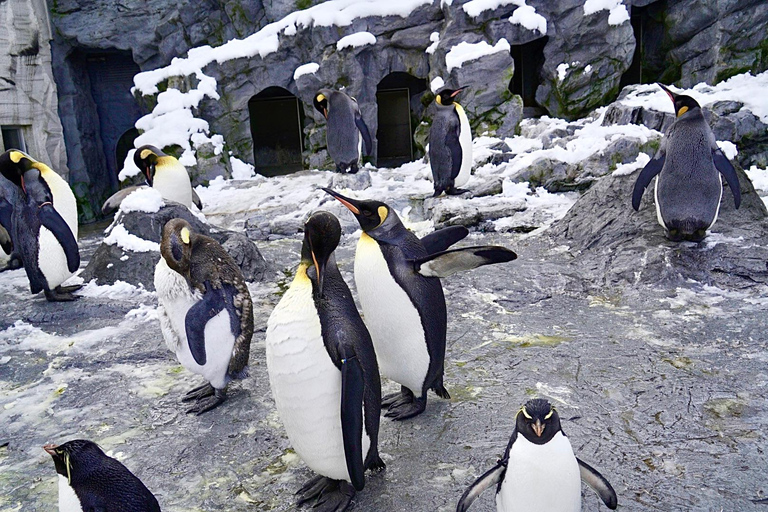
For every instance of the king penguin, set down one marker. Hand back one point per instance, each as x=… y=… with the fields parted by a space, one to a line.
x=539 y=470
x=450 y=144
x=687 y=167
x=90 y=480
x=205 y=311
x=42 y=238
x=346 y=131
x=323 y=373
x=400 y=292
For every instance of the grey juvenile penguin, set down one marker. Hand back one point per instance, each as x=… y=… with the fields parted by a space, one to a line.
x=450 y=144
x=688 y=187
x=205 y=311
x=346 y=131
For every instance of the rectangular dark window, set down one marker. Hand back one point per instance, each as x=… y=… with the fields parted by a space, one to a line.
x=13 y=138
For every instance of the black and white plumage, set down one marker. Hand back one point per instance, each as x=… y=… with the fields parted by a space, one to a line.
x=539 y=470
x=400 y=292
x=688 y=168
x=205 y=311
x=450 y=144
x=91 y=481
x=345 y=129
x=323 y=373
x=42 y=234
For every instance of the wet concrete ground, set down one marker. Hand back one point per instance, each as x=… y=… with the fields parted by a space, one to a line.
x=661 y=389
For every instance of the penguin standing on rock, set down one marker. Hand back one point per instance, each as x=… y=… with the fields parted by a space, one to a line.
x=42 y=237
x=398 y=283
x=687 y=168
x=323 y=373
x=205 y=311
x=539 y=470
x=450 y=144
x=89 y=480
x=346 y=131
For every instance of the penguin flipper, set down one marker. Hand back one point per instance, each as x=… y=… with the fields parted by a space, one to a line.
x=360 y=123
x=725 y=167
x=650 y=170
x=196 y=200
x=446 y=263
x=214 y=301
x=51 y=219
x=352 y=387
x=113 y=203
x=598 y=483
x=491 y=477
x=453 y=144
x=442 y=239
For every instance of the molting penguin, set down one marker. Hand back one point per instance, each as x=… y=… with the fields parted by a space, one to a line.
x=539 y=470
x=450 y=144
x=89 y=480
x=323 y=373
x=398 y=283
x=42 y=239
x=688 y=187
x=345 y=130
x=205 y=311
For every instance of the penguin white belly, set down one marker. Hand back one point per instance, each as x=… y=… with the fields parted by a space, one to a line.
x=359 y=146
x=391 y=318
x=656 y=200
x=719 y=200
x=51 y=259
x=465 y=141
x=541 y=477
x=63 y=199
x=172 y=181
x=305 y=383
x=68 y=500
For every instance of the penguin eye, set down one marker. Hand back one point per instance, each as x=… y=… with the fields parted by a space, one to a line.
x=367 y=213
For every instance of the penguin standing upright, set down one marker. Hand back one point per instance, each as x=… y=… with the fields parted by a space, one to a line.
x=323 y=373
x=688 y=187
x=205 y=311
x=450 y=144
x=539 y=470
x=403 y=304
x=90 y=480
x=345 y=130
x=42 y=239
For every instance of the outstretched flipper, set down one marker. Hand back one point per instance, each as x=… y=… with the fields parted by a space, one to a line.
x=442 y=239
x=598 y=483
x=352 y=387
x=650 y=170
x=491 y=477
x=364 y=132
x=446 y=263
x=51 y=219
x=723 y=165
x=214 y=301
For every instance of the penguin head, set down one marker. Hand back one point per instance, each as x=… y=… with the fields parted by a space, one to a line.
x=321 y=102
x=14 y=164
x=322 y=233
x=75 y=459
x=448 y=96
x=176 y=245
x=146 y=158
x=538 y=421
x=370 y=214
x=682 y=102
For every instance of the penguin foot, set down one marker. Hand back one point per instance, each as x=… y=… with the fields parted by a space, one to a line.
x=59 y=296
x=207 y=403
x=328 y=495
x=199 y=392
x=456 y=191
x=407 y=409
x=374 y=462
x=68 y=289
x=403 y=396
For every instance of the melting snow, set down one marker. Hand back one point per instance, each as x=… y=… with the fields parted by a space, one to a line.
x=306 y=69
x=618 y=13
x=464 y=52
x=355 y=40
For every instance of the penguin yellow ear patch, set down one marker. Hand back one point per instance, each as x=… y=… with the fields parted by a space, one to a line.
x=185 y=235
x=145 y=153
x=16 y=156
x=320 y=97
x=438 y=100
x=383 y=212
x=682 y=111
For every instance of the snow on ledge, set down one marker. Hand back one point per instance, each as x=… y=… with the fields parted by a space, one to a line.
x=306 y=69
x=143 y=199
x=464 y=52
x=436 y=84
x=527 y=16
x=356 y=40
x=435 y=38
x=618 y=11
x=129 y=242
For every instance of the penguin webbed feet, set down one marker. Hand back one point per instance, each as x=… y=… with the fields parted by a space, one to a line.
x=206 y=397
x=403 y=405
x=328 y=495
x=62 y=294
x=456 y=191
x=373 y=462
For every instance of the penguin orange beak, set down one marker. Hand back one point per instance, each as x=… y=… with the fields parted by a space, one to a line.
x=148 y=175
x=346 y=201
x=50 y=449
x=538 y=428
x=23 y=187
x=457 y=91
x=671 y=94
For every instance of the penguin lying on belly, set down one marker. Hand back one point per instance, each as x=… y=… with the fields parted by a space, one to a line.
x=205 y=311
x=345 y=129
x=323 y=373
x=89 y=480
x=397 y=277
x=539 y=470
x=688 y=169
x=42 y=238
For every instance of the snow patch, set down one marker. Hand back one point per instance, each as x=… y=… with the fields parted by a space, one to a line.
x=464 y=52
x=729 y=149
x=129 y=242
x=435 y=38
x=120 y=290
x=562 y=70
x=527 y=16
x=626 y=169
x=241 y=170
x=306 y=69
x=129 y=167
x=436 y=84
x=618 y=13
x=356 y=40
x=143 y=199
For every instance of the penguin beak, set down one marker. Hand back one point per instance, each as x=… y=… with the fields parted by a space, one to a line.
x=148 y=174
x=671 y=94
x=320 y=267
x=23 y=187
x=457 y=91
x=349 y=203
x=50 y=449
x=538 y=428
x=325 y=112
